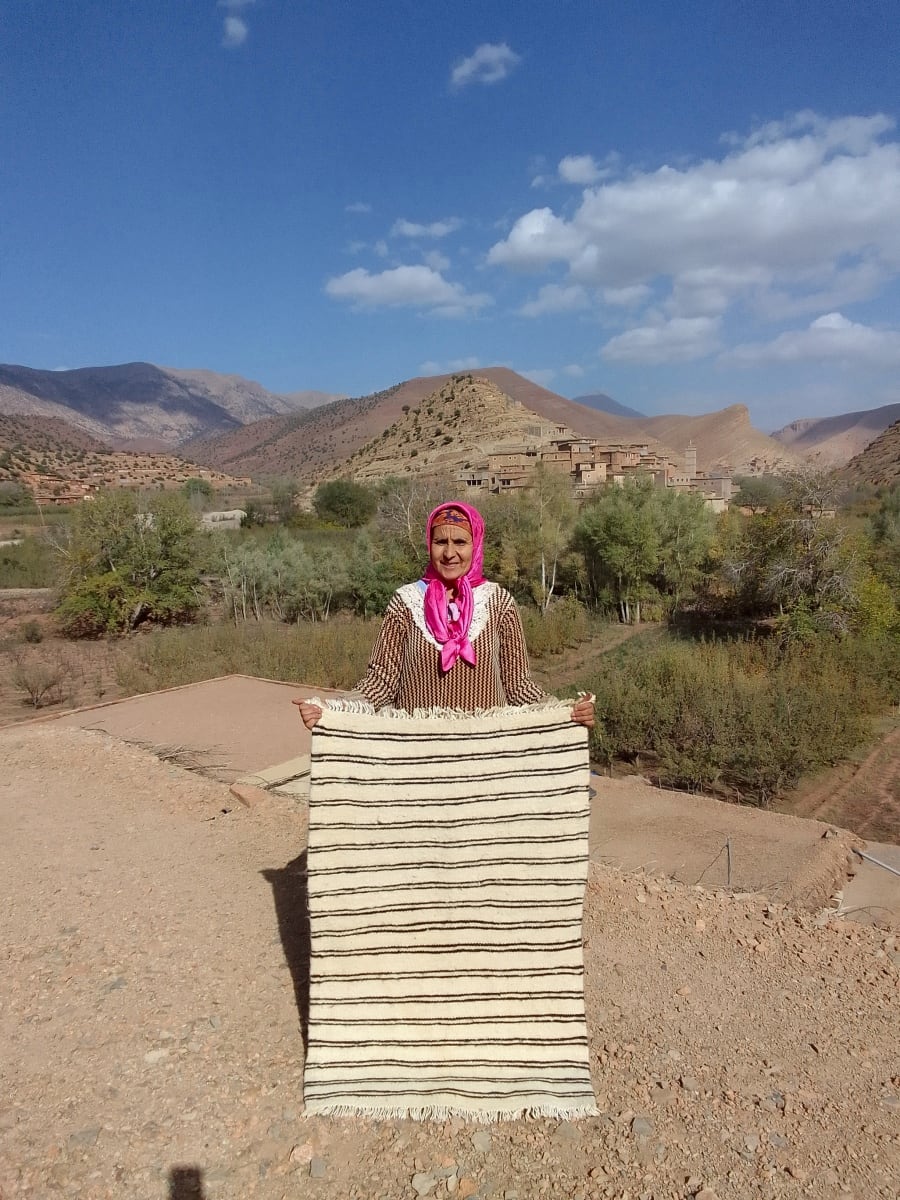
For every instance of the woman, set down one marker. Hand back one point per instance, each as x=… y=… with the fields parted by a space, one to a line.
x=453 y=639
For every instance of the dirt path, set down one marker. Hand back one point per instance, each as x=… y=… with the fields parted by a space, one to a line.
x=150 y=1042
x=863 y=798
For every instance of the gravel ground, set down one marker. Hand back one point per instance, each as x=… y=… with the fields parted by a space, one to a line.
x=150 y=1037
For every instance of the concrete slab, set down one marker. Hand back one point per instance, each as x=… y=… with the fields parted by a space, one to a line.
x=872 y=896
x=232 y=726
x=700 y=840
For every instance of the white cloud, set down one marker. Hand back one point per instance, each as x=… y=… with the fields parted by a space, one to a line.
x=573 y=371
x=579 y=168
x=358 y=207
x=381 y=248
x=437 y=229
x=234 y=28
x=554 y=298
x=405 y=287
x=627 y=297
x=455 y=364
x=800 y=209
x=436 y=260
x=489 y=63
x=234 y=31
x=830 y=338
x=680 y=339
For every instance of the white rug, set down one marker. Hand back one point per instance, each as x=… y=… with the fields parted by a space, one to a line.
x=447 y=863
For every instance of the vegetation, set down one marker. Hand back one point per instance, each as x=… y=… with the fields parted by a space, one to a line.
x=126 y=563
x=746 y=718
x=776 y=634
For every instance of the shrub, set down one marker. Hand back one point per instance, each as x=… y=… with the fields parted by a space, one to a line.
x=746 y=718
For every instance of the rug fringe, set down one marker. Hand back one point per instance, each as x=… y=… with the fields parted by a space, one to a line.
x=364 y=708
x=437 y=1112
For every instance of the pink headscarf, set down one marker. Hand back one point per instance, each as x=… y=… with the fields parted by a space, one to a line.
x=453 y=634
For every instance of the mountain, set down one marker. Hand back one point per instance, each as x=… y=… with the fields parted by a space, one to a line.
x=604 y=403
x=833 y=441
x=317 y=443
x=879 y=463
x=139 y=405
x=61 y=464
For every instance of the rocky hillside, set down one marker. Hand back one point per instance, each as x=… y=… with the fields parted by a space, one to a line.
x=833 y=441
x=322 y=442
x=456 y=426
x=54 y=459
x=879 y=463
x=141 y=405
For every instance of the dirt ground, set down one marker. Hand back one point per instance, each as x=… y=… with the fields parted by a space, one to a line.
x=152 y=935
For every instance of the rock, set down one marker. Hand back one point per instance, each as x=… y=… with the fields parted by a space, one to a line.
x=452 y=1184
x=423 y=1183
x=85 y=1137
x=567 y=1131
x=155 y=1056
x=302 y=1153
x=318 y=1168
x=689 y=1083
x=249 y=796
x=467 y=1187
x=642 y=1127
x=751 y=1142
x=705 y=1194
x=777 y=1141
x=482 y=1141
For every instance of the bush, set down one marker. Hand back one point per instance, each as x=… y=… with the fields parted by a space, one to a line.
x=745 y=718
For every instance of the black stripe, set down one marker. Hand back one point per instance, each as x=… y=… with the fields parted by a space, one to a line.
x=439 y=973
x=401 y=927
x=449 y=998
x=443 y=866
x=364 y=1043
x=478 y=819
x=454 y=948
x=540 y=794
x=529 y=883
x=443 y=782
x=471 y=756
x=456 y=906
x=444 y=730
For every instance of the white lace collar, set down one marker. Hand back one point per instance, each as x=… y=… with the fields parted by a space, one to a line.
x=413 y=596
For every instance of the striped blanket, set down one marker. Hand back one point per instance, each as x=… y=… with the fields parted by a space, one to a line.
x=447 y=865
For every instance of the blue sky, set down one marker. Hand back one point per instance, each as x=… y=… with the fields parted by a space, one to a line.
x=685 y=205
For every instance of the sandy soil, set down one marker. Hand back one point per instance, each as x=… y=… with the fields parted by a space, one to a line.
x=152 y=935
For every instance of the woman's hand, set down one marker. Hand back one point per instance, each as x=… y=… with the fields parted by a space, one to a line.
x=583 y=711
x=310 y=714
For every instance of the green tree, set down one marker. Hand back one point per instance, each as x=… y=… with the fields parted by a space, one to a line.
x=641 y=542
x=344 y=502
x=127 y=563
x=758 y=492
x=198 y=488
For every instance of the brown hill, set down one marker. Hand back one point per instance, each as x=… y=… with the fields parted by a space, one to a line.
x=879 y=463
x=321 y=442
x=455 y=426
x=725 y=440
x=833 y=441
x=59 y=462
x=46 y=434
x=139 y=402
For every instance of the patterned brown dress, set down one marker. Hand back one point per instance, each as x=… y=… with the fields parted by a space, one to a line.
x=404 y=670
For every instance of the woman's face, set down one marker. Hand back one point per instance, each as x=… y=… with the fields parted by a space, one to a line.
x=451 y=552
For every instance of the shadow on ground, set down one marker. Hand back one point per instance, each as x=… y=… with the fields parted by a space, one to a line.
x=290 y=892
